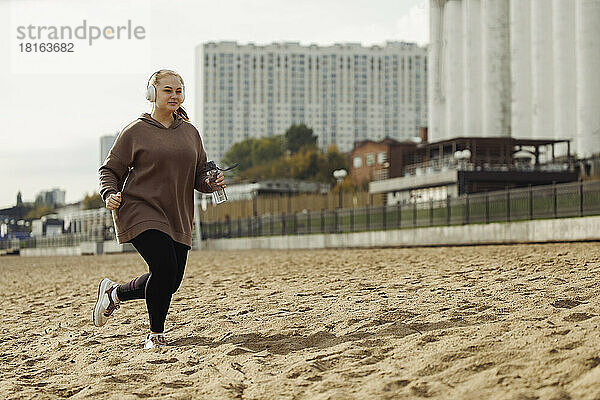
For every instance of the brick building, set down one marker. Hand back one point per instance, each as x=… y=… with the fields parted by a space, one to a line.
x=374 y=161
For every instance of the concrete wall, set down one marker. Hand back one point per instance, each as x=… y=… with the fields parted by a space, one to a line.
x=566 y=229
x=91 y=248
x=111 y=246
x=51 y=251
x=84 y=248
x=551 y=230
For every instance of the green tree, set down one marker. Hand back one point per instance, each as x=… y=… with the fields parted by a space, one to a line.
x=298 y=136
x=92 y=201
x=253 y=152
x=240 y=152
x=267 y=149
x=266 y=158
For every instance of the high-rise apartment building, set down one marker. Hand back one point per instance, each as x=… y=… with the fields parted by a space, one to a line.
x=106 y=143
x=53 y=198
x=344 y=92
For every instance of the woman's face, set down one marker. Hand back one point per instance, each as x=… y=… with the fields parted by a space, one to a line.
x=169 y=93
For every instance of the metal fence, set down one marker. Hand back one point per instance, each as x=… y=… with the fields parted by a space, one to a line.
x=9 y=244
x=64 y=240
x=289 y=203
x=554 y=201
x=539 y=202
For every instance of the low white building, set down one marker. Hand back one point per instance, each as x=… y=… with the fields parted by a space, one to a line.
x=48 y=225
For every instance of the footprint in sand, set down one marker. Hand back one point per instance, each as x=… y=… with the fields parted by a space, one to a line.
x=395 y=385
x=359 y=374
x=592 y=362
x=189 y=371
x=65 y=392
x=114 y=379
x=315 y=378
x=566 y=303
x=420 y=390
x=237 y=388
x=429 y=339
x=142 y=395
x=163 y=361
x=432 y=369
x=577 y=317
x=238 y=350
x=179 y=384
x=478 y=367
x=262 y=354
x=570 y=345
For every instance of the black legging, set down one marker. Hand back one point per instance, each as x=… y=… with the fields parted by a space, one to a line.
x=166 y=260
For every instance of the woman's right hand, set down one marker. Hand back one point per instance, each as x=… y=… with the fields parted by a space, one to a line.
x=114 y=201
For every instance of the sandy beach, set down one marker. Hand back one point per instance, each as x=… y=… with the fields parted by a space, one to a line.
x=501 y=322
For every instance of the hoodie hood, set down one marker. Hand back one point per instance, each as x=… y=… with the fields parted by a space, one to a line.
x=147 y=118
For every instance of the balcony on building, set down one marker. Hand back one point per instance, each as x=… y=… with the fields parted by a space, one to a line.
x=464 y=165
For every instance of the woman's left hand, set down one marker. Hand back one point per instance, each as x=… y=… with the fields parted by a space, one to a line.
x=220 y=181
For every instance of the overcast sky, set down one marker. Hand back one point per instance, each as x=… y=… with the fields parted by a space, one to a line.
x=56 y=106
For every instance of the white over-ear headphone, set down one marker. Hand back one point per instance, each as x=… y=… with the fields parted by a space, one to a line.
x=151 y=90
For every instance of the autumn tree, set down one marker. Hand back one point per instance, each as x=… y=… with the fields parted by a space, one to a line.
x=92 y=201
x=299 y=136
x=38 y=212
x=293 y=155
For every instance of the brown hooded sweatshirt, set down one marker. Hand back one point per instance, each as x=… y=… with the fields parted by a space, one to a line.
x=167 y=165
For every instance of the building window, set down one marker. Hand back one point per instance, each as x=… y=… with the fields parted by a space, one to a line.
x=381 y=157
x=357 y=162
x=370 y=159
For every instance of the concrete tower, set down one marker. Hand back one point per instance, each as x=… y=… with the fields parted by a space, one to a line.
x=471 y=78
x=521 y=68
x=587 y=20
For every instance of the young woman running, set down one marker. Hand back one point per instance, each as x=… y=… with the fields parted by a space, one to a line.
x=148 y=181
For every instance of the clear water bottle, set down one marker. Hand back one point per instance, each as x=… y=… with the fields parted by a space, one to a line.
x=219 y=195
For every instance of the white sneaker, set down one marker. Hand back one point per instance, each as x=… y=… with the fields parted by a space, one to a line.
x=155 y=340
x=105 y=305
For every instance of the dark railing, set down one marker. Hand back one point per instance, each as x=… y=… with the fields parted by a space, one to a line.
x=575 y=199
x=450 y=163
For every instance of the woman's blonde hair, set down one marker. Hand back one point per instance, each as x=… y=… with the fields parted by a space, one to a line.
x=154 y=79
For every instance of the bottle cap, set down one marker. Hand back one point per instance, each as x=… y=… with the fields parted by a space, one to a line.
x=210 y=165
